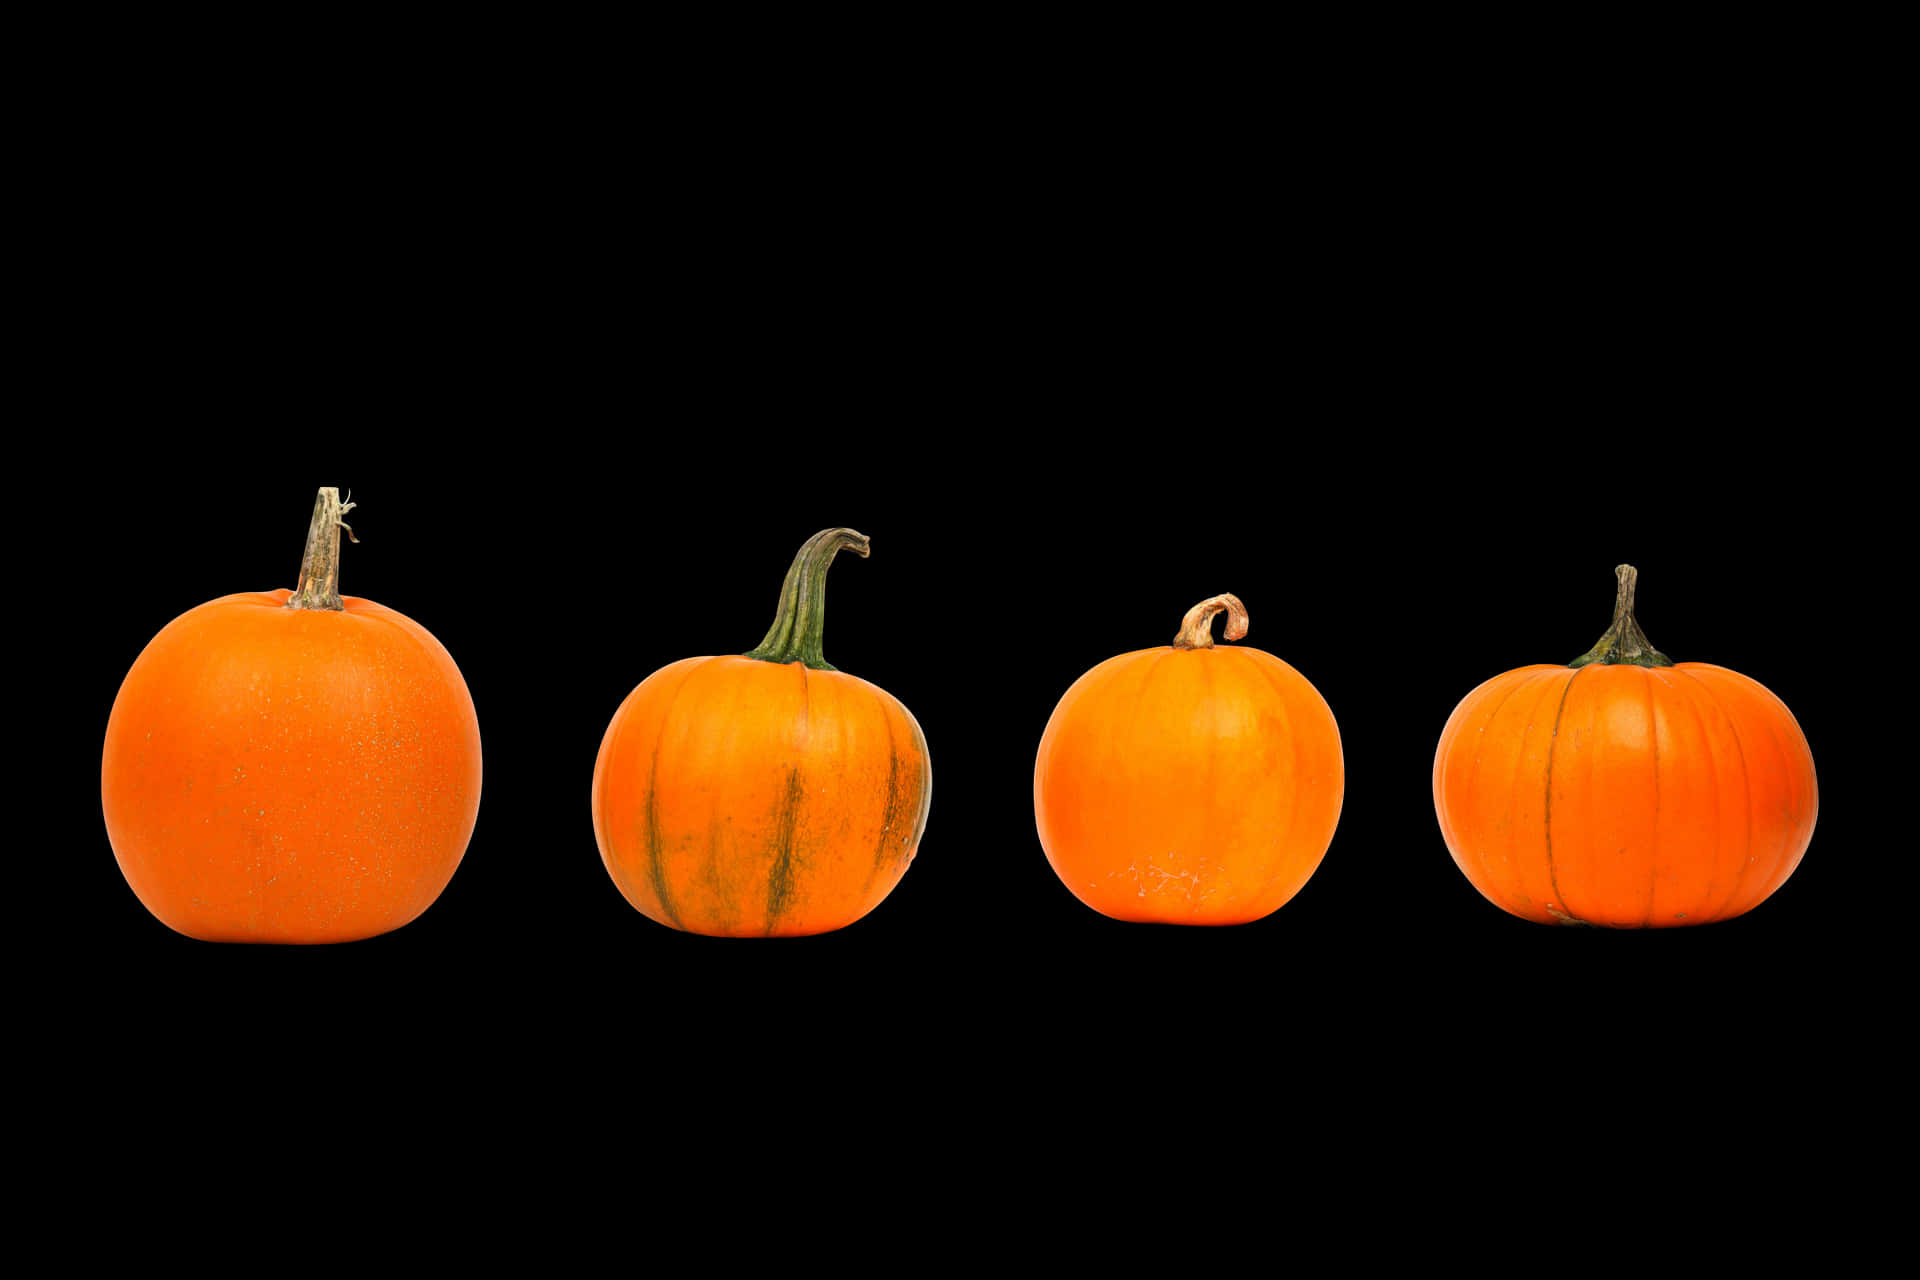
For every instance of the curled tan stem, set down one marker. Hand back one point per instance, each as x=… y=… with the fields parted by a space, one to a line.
x=1196 y=629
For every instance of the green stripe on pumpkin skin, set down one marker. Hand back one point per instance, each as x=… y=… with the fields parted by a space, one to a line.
x=1558 y=913
x=656 y=869
x=725 y=909
x=890 y=812
x=726 y=894
x=780 y=879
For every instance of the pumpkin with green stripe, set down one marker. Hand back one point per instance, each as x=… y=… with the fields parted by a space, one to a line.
x=766 y=794
x=1624 y=789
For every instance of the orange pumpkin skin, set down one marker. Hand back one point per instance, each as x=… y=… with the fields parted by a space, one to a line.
x=290 y=775
x=1189 y=785
x=736 y=797
x=1626 y=796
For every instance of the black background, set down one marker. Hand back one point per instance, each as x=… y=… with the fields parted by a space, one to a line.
x=1411 y=408
x=1397 y=565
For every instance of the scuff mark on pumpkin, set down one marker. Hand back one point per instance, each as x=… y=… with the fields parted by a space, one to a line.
x=1181 y=880
x=1562 y=917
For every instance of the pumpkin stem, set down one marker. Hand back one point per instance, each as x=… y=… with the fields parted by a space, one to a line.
x=319 y=584
x=1196 y=629
x=1625 y=643
x=802 y=613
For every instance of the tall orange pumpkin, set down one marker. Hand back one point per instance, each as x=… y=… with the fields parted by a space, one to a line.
x=291 y=766
x=768 y=794
x=1624 y=789
x=1189 y=784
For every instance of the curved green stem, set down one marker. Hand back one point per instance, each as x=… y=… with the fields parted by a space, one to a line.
x=802 y=613
x=319 y=584
x=1625 y=643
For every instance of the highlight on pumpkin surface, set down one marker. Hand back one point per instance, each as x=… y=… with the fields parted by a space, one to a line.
x=1624 y=789
x=291 y=766
x=763 y=794
x=1192 y=783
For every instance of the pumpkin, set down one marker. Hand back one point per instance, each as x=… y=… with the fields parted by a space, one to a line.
x=767 y=794
x=291 y=766
x=1189 y=784
x=1624 y=789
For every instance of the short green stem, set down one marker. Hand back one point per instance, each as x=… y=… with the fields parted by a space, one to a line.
x=1625 y=644
x=802 y=613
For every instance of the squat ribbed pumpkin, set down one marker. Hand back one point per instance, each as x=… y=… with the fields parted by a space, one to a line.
x=768 y=794
x=1624 y=789
x=1189 y=784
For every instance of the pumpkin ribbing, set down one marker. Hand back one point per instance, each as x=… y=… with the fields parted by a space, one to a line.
x=765 y=794
x=1624 y=790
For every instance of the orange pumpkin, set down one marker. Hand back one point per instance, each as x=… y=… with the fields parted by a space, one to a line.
x=768 y=794
x=1624 y=789
x=1189 y=784
x=291 y=766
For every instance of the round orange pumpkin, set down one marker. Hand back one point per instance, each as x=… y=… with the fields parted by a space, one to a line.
x=291 y=766
x=763 y=795
x=1624 y=789
x=1189 y=784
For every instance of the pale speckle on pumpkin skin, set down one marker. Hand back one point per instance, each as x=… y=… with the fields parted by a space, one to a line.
x=1189 y=880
